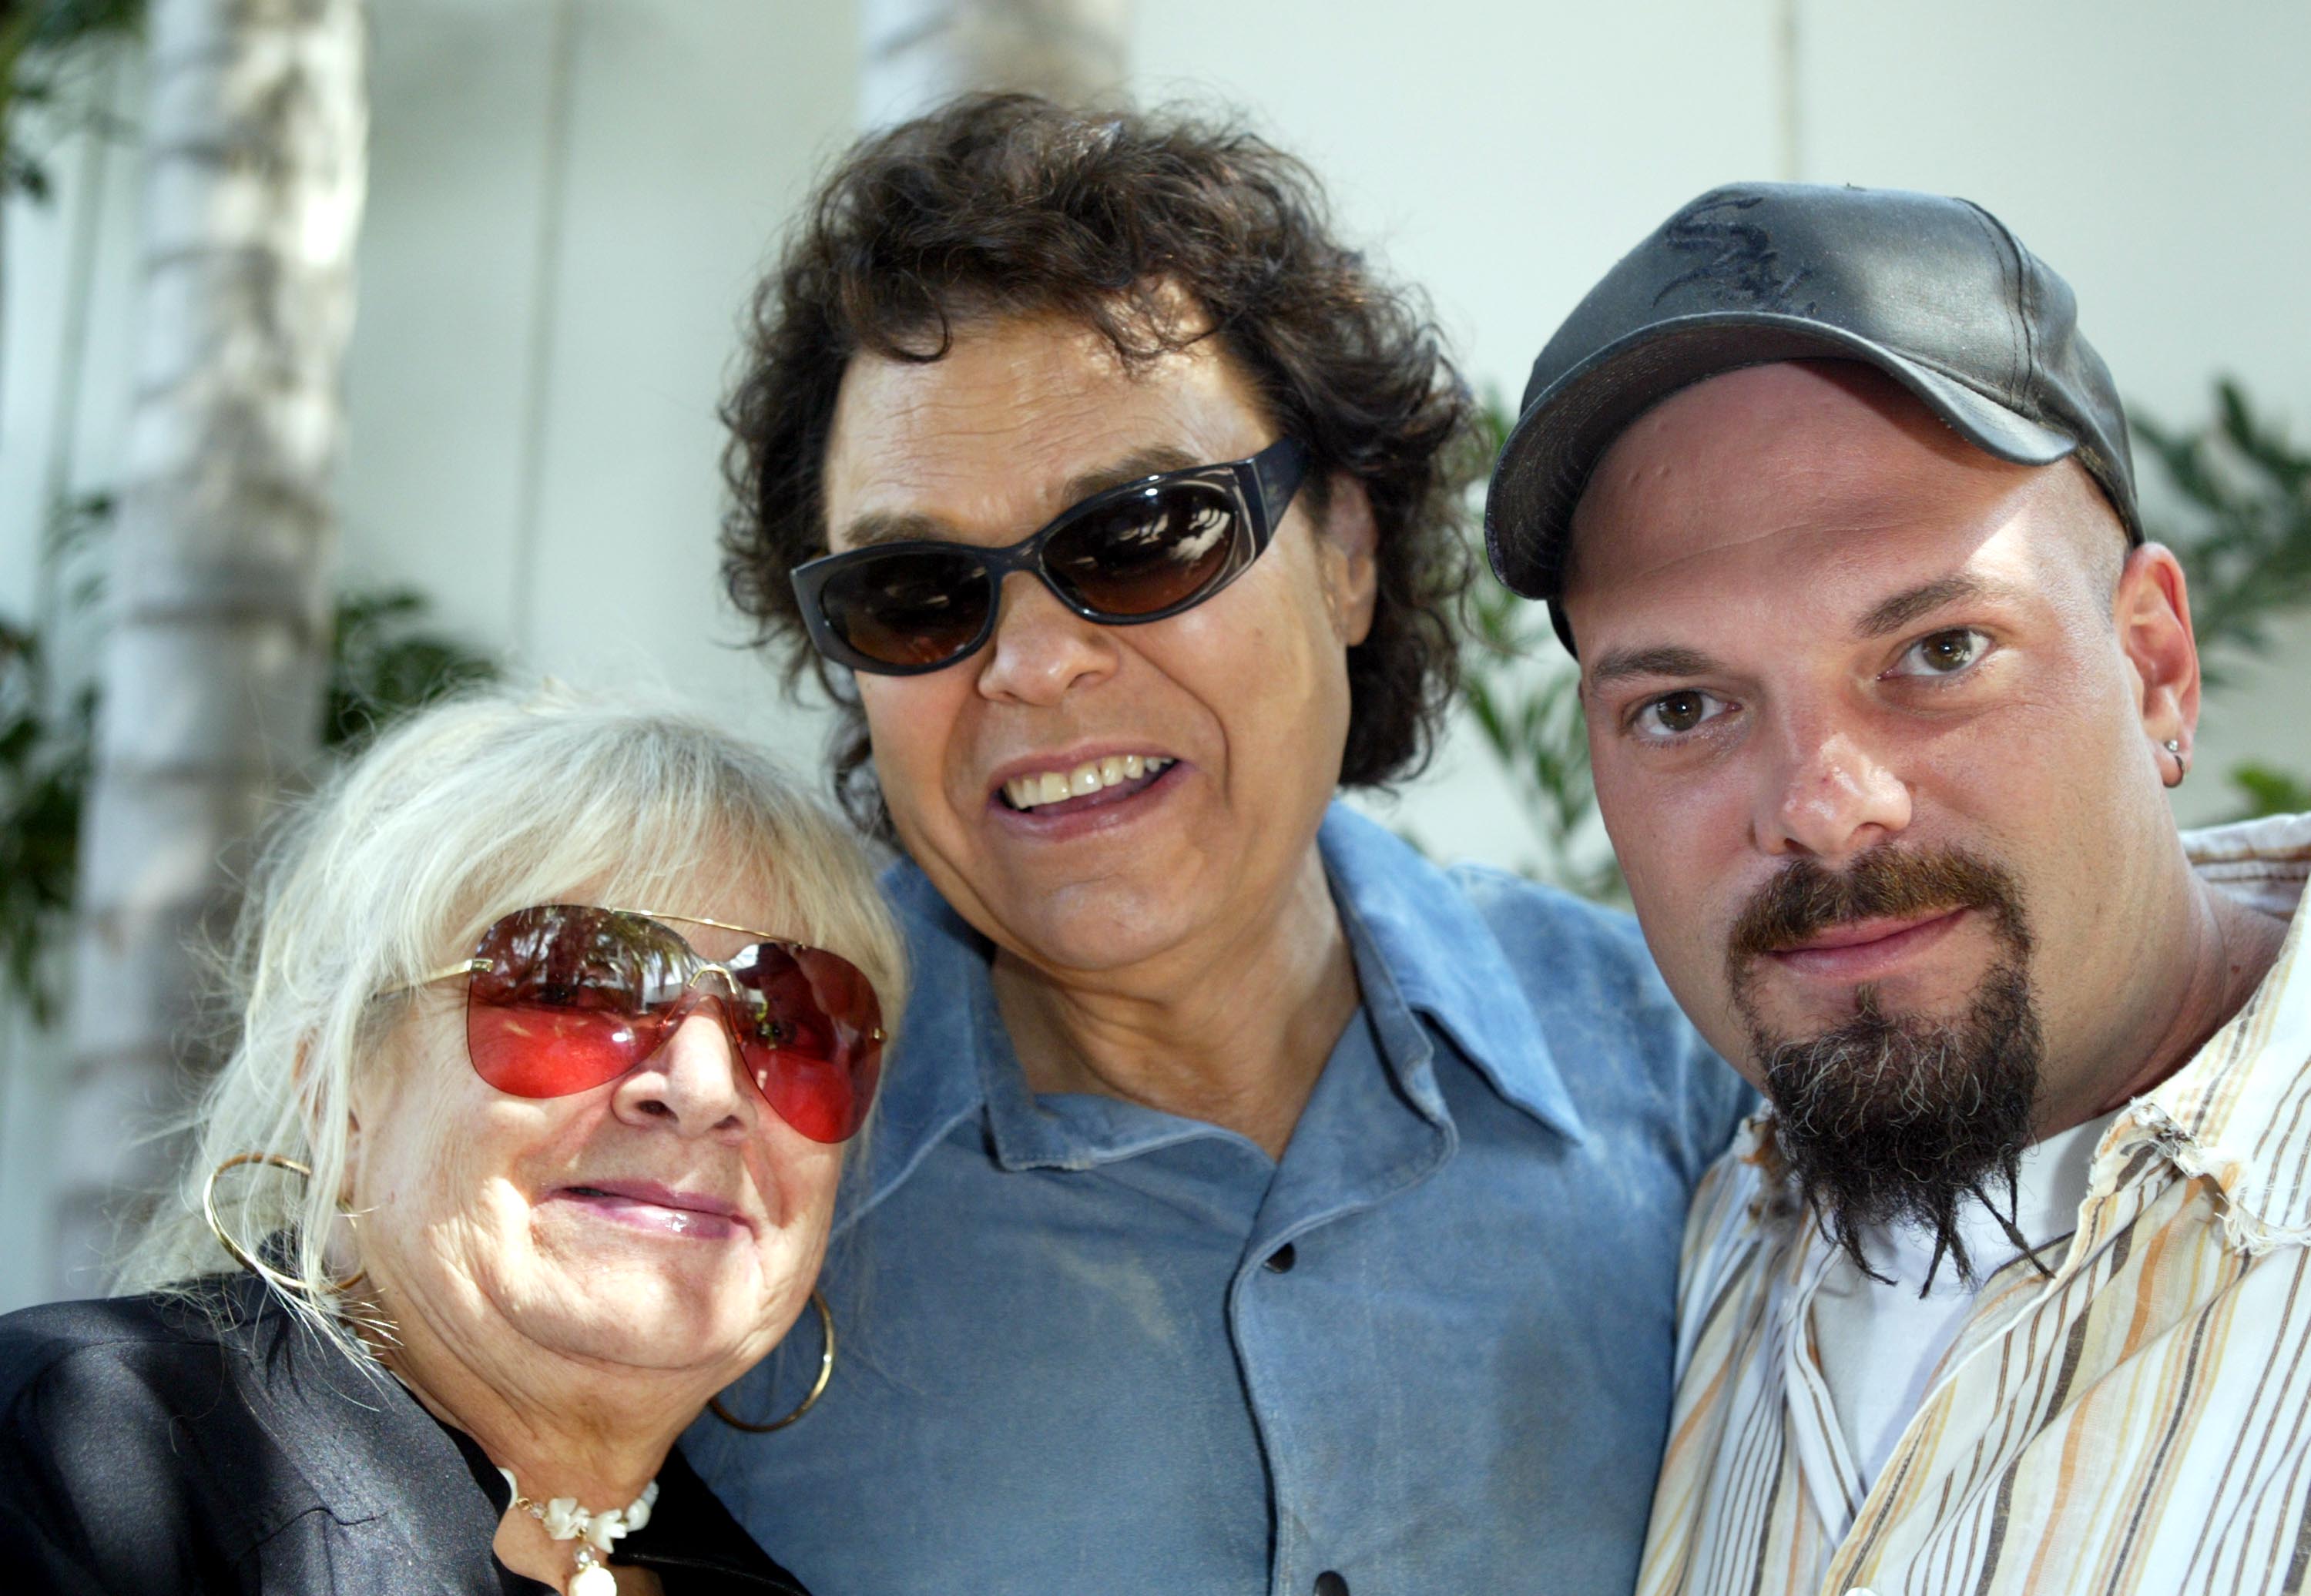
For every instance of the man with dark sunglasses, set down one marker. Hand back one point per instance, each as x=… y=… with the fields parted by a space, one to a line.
x=1252 y=1206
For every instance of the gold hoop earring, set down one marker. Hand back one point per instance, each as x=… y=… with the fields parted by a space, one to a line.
x=242 y=1255
x=826 y=1372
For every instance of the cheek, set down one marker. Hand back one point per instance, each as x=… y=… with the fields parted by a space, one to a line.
x=1679 y=838
x=1267 y=658
x=800 y=1184
x=446 y=1160
x=910 y=723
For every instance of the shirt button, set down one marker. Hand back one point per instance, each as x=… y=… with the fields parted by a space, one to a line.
x=1280 y=1262
x=1328 y=1584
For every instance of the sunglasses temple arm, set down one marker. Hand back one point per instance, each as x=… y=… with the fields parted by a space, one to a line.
x=1278 y=470
x=466 y=967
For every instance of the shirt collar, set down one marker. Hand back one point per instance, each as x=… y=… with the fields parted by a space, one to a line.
x=1421 y=949
x=1443 y=962
x=2239 y=1112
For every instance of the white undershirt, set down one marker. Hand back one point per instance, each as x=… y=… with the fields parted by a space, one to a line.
x=1880 y=1344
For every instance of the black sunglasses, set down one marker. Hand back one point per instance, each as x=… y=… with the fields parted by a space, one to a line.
x=1133 y=553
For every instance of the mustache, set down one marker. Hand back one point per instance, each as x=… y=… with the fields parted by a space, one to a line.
x=1805 y=898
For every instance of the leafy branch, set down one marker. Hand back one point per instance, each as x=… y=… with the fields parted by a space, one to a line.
x=2246 y=549
x=384 y=662
x=1523 y=696
x=45 y=47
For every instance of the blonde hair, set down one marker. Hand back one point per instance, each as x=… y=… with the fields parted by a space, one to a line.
x=462 y=814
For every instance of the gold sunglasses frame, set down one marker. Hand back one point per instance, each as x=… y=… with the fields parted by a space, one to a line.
x=476 y=966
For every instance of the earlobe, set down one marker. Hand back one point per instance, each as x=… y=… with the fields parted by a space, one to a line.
x=1350 y=551
x=2152 y=614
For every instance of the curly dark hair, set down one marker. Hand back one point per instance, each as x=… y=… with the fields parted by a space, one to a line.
x=1007 y=205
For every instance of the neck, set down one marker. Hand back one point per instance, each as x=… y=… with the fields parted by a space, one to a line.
x=564 y=1426
x=2222 y=953
x=1233 y=1031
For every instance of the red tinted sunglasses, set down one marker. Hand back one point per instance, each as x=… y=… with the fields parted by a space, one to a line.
x=562 y=997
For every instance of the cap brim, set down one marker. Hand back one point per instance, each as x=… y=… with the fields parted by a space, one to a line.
x=1557 y=442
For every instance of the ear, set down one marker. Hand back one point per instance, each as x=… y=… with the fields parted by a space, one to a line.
x=2152 y=613
x=1349 y=558
x=308 y=1100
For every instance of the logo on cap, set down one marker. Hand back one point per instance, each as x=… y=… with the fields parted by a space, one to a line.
x=1741 y=265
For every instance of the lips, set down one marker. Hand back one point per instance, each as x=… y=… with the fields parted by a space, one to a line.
x=1855 y=950
x=645 y=1205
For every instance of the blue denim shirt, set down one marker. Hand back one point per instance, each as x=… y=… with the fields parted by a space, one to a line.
x=1085 y=1346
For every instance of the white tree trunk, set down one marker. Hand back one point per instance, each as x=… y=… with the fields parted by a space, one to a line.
x=257 y=133
x=919 y=52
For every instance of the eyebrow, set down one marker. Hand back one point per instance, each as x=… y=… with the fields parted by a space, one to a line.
x=1891 y=615
x=906 y=526
x=1622 y=664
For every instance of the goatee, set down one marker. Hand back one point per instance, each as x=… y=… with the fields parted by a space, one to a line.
x=1891 y=1119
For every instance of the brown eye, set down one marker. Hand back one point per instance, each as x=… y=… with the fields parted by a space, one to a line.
x=1678 y=711
x=1673 y=714
x=1942 y=654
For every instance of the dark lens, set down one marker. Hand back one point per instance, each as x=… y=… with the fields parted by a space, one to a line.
x=811 y=1032
x=1155 y=549
x=911 y=607
x=565 y=1002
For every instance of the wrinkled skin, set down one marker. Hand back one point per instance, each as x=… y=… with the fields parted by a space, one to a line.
x=1179 y=948
x=573 y=1342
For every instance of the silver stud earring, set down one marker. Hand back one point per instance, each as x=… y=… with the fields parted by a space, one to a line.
x=2175 y=745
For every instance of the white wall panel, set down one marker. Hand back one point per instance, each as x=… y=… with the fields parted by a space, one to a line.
x=2155 y=155
x=697 y=128
x=1501 y=156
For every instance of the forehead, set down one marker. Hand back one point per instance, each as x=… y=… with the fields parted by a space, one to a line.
x=1005 y=427
x=1778 y=490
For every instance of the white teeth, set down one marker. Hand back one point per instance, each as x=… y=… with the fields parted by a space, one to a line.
x=1052 y=787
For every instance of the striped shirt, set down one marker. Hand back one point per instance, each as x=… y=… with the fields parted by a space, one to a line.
x=2140 y=1422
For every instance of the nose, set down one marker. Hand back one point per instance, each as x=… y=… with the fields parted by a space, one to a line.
x=1040 y=649
x=1829 y=796
x=690 y=1084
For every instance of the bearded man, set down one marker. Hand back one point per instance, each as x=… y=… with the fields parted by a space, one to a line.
x=2006 y=1290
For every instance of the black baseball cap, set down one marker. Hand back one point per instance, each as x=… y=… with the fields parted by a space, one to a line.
x=1935 y=293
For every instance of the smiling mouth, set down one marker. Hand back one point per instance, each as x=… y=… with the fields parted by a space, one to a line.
x=661 y=1212
x=1118 y=775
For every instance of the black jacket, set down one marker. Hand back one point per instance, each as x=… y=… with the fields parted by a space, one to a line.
x=149 y=1447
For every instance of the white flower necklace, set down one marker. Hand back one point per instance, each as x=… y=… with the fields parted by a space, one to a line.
x=564 y=1519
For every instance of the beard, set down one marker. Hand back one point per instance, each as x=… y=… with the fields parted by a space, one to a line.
x=1889 y=1119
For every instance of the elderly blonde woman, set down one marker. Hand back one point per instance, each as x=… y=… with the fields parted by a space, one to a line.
x=556 y=1019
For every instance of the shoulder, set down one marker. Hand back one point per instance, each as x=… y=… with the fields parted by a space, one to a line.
x=123 y=1374
x=108 y=1340
x=1582 y=967
x=117 y=1419
x=1537 y=987
x=1530 y=916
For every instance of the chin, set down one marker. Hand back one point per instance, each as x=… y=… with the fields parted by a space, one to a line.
x=652 y=1325
x=1905 y=999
